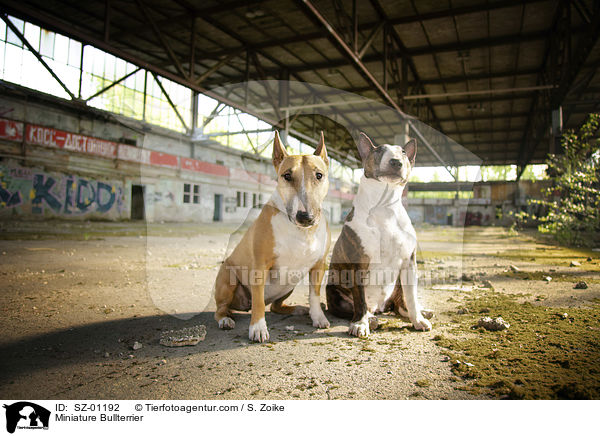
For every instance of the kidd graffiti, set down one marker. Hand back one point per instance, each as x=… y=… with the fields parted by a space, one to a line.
x=26 y=191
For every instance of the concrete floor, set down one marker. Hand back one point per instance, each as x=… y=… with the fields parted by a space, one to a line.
x=76 y=296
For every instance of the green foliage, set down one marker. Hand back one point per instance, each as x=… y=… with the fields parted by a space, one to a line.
x=573 y=202
x=498 y=172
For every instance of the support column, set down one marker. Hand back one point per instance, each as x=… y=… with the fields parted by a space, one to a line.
x=195 y=129
x=556 y=132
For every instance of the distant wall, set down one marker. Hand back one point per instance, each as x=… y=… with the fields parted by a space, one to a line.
x=79 y=163
x=493 y=203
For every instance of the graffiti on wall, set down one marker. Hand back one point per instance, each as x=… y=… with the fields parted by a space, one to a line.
x=29 y=191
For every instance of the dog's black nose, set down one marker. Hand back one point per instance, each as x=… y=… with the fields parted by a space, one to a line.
x=396 y=163
x=304 y=218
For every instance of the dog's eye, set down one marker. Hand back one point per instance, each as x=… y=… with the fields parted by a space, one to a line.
x=287 y=177
x=319 y=176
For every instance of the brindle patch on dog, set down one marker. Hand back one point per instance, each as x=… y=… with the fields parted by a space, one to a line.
x=345 y=295
x=350 y=215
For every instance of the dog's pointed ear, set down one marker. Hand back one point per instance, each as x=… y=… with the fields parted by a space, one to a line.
x=321 y=151
x=411 y=150
x=279 y=153
x=365 y=146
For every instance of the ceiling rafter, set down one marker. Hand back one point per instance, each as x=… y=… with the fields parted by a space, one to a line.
x=396 y=21
x=572 y=64
x=177 y=42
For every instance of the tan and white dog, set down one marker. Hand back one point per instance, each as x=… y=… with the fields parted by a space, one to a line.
x=289 y=238
x=373 y=266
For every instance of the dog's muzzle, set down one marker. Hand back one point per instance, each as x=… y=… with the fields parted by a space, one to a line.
x=305 y=219
x=396 y=163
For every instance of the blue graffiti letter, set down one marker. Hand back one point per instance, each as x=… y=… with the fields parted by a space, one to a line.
x=42 y=192
x=9 y=200
x=84 y=204
x=68 y=200
x=106 y=205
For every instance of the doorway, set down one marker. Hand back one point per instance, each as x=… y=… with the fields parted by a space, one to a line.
x=137 y=202
x=218 y=215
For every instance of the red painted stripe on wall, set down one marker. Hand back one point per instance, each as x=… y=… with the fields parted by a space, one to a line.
x=164 y=159
x=50 y=137
x=11 y=130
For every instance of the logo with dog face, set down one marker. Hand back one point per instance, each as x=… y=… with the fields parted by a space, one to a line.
x=26 y=415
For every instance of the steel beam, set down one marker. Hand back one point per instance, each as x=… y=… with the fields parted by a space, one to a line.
x=444 y=13
x=160 y=37
x=415 y=51
x=116 y=82
x=437 y=81
x=474 y=132
x=573 y=65
x=192 y=65
x=214 y=68
x=41 y=60
x=369 y=40
x=478 y=92
x=166 y=94
x=240 y=132
x=182 y=18
x=311 y=8
x=73 y=32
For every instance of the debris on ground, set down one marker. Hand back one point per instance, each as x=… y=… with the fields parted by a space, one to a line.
x=427 y=313
x=188 y=336
x=136 y=346
x=580 y=285
x=575 y=263
x=548 y=279
x=564 y=315
x=423 y=383
x=514 y=268
x=493 y=324
x=487 y=284
x=289 y=328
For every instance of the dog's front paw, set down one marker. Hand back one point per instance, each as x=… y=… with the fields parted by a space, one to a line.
x=421 y=324
x=258 y=331
x=359 y=329
x=226 y=323
x=320 y=321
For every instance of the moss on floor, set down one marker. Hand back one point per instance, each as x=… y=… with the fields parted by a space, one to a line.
x=545 y=354
x=430 y=255
x=556 y=256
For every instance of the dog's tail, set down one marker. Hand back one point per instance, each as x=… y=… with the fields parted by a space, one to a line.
x=339 y=302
